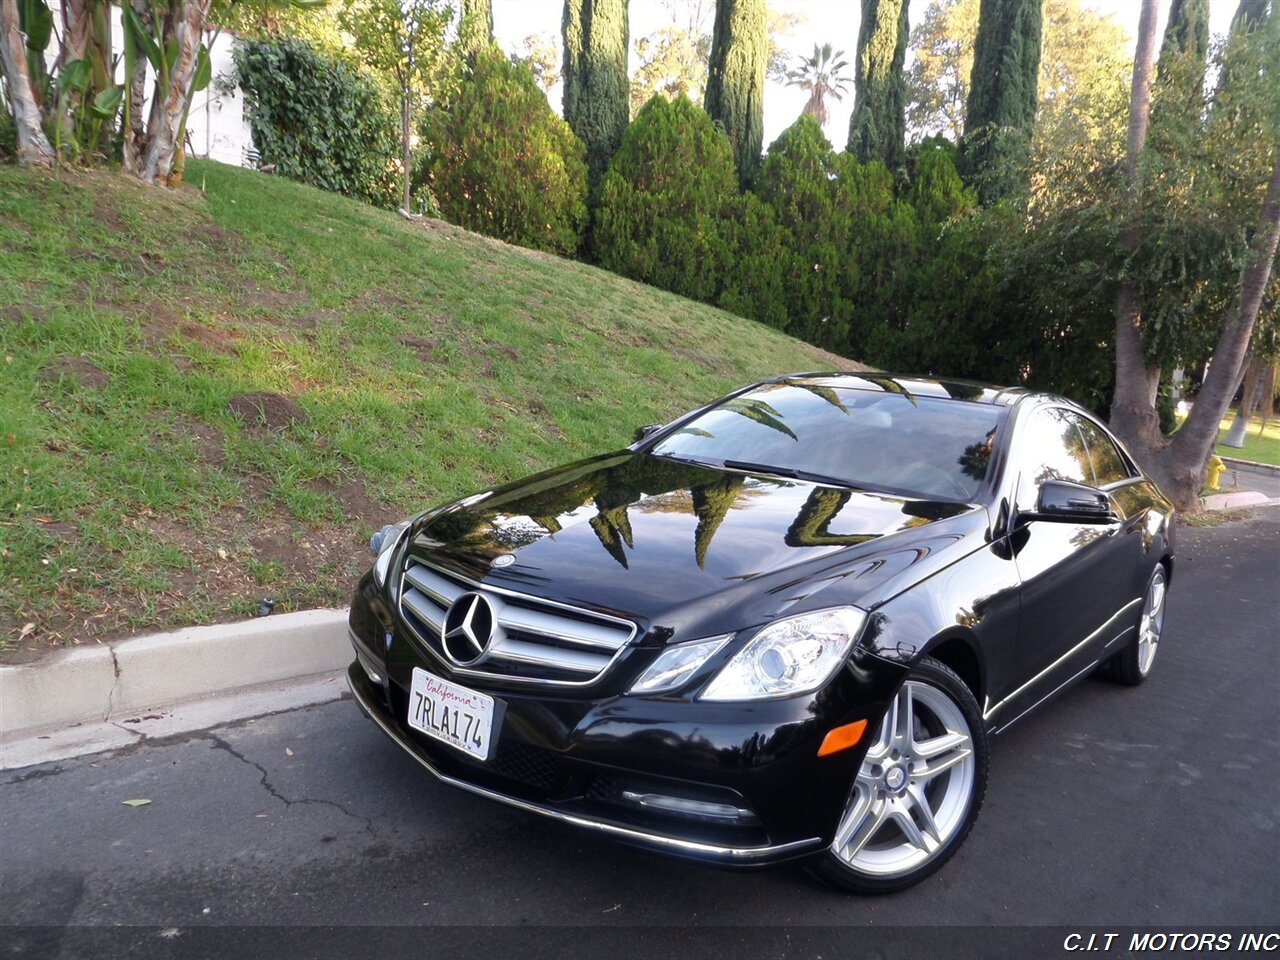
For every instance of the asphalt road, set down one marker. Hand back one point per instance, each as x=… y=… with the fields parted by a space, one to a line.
x=1112 y=807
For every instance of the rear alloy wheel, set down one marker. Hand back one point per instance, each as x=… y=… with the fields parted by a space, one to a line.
x=1133 y=664
x=919 y=788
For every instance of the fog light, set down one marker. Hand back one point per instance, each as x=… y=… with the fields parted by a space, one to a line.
x=698 y=809
x=367 y=666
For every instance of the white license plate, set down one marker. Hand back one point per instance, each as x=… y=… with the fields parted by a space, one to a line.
x=452 y=714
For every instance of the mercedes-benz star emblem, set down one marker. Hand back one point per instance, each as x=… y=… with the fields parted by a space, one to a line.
x=469 y=627
x=502 y=560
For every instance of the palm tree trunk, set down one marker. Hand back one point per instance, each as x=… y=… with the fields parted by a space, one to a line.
x=135 y=131
x=184 y=25
x=33 y=146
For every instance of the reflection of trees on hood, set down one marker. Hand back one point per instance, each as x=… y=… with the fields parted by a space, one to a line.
x=613 y=529
x=811 y=526
x=610 y=487
x=711 y=504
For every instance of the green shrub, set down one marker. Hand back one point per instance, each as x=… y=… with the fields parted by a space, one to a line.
x=8 y=136
x=320 y=120
x=798 y=181
x=884 y=253
x=503 y=164
x=761 y=270
x=667 y=201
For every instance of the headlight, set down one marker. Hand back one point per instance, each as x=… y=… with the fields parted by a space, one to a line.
x=677 y=664
x=383 y=546
x=790 y=656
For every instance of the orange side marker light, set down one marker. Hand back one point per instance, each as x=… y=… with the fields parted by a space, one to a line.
x=842 y=738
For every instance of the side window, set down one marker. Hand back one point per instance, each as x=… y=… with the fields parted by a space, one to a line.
x=1049 y=448
x=1108 y=463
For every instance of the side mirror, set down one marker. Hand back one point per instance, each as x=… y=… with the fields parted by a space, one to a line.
x=643 y=433
x=1071 y=502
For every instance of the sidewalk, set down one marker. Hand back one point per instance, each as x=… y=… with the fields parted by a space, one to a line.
x=1244 y=484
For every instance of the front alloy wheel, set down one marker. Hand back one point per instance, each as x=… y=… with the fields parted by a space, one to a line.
x=919 y=788
x=1132 y=664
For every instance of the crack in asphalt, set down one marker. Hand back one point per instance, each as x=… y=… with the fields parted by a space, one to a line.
x=221 y=744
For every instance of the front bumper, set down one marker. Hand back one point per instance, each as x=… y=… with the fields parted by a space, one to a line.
x=583 y=758
x=373 y=706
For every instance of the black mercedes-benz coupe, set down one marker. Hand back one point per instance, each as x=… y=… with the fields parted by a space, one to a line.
x=781 y=626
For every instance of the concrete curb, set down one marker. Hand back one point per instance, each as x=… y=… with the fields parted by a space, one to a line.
x=102 y=683
x=1250 y=465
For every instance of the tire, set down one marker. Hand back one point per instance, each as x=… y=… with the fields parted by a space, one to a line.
x=906 y=817
x=1132 y=665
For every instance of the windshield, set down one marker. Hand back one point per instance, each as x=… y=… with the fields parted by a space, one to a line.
x=919 y=446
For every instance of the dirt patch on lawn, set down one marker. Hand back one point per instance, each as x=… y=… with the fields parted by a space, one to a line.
x=81 y=369
x=424 y=347
x=264 y=410
x=214 y=338
x=254 y=298
x=356 y=502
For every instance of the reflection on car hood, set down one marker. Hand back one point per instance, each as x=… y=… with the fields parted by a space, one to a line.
x=676 y=543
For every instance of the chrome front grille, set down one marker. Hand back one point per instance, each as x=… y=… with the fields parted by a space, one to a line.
x=535 y=641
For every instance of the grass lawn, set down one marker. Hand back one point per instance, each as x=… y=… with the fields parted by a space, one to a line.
x=388 y=366
x=1261 y=449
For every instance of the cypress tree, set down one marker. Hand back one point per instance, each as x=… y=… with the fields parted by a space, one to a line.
x=1001 y=111
x=735 y=79
x=475 y=30
x=877 y=130
x=597 y=90
x=1186 y=33
x=1178 y=97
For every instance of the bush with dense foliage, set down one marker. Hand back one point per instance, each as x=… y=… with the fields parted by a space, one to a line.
x=503 y=164
x=667 y=201
x=797 y=182
x=319 y=119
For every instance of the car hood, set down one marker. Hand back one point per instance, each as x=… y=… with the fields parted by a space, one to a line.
x=682 y=547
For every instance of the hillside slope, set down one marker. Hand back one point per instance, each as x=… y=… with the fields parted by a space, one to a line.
x=211 y=398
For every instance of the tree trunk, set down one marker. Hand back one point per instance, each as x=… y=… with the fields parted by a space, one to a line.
x=75 y=31
x=1240 y=426
x=1181 y=466
x=405 y=155
x=184 y=25
x=1133 y=415
x=135 y=131
x=33 y=146
x=1268 y=405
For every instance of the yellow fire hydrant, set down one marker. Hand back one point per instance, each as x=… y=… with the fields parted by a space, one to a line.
x=1216 y=468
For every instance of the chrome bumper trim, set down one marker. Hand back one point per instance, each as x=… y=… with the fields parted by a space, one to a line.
x=675 y=845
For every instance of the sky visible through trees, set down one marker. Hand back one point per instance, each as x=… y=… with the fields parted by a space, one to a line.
x=835 y=21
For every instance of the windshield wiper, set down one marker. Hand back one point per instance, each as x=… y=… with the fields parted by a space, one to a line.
x=789 y=472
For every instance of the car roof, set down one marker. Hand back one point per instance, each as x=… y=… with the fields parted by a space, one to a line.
x=948 y=389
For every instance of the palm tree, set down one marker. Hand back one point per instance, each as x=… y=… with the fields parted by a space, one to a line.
x=822 y=76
